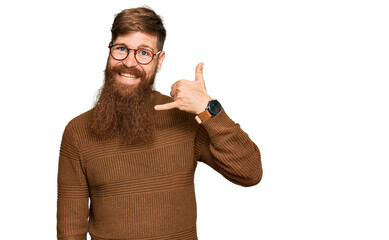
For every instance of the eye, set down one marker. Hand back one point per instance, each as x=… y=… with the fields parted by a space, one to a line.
x=121 y=49
x=144 y=53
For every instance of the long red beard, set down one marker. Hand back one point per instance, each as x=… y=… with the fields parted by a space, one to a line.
x=123 y=111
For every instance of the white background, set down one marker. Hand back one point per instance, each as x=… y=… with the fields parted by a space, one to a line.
x=307 y=80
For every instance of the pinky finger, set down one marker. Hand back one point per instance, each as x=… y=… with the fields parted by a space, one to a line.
x=166 y=106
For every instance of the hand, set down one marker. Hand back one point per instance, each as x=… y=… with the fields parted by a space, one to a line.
x=189 y=96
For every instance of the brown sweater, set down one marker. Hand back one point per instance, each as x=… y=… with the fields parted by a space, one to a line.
x=146 y=191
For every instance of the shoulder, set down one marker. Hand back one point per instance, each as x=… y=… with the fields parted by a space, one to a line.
x=79 y=121
x=79 y=126
x=160 y=98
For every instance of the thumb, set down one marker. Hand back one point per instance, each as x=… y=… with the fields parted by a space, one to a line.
x=199 y=74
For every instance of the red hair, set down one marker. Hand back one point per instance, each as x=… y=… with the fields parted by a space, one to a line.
x=141 y=19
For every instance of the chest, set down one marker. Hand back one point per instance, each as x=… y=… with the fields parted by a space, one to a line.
x=113 y=162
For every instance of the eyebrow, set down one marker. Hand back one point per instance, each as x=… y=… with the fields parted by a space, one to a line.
x=145 y=46
x=140 y=46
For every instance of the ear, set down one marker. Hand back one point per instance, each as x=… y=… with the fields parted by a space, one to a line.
x=161 y=57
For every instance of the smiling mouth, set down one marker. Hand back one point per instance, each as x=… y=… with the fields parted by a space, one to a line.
x=128 y=79
x=128 y=76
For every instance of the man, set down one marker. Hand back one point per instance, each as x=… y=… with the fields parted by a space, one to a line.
x=135 y=153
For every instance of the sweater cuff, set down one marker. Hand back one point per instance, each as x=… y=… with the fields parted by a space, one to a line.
x=218 y=124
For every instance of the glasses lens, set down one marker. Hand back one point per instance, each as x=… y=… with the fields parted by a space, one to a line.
x=144 y=56
x=119 y=52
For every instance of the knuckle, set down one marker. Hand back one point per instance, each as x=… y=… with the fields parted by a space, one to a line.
x=179 y=83
x=182 y=82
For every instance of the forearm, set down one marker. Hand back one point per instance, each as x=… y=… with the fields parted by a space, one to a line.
x=73 y=193
x=229 y=150
x=72 y=212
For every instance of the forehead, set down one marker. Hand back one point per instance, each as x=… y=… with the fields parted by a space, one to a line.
x=138 y=39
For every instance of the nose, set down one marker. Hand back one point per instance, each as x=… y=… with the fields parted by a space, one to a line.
x=130 y=61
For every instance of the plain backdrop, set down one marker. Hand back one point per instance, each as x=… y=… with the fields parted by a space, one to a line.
x=307 y=80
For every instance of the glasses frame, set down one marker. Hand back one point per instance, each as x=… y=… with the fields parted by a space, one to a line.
x=128 y=53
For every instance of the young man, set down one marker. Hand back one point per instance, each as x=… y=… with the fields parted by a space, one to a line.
x=135 y=153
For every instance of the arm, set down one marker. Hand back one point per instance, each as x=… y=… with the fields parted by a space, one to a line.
x=220 y=142
x=224 y=146
x=73 y=192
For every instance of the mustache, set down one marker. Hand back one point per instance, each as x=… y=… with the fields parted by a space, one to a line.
x=129 y=70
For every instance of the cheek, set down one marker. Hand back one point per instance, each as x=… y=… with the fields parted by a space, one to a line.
x=112 y=62
x=147 y=70
x=150 y=70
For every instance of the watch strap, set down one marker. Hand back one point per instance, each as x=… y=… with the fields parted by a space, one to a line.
x=201 y=117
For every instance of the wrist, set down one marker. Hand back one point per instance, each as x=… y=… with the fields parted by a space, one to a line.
x=212 y=109
x=203 y=105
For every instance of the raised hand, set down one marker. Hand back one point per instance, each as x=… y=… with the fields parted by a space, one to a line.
x=189 y=96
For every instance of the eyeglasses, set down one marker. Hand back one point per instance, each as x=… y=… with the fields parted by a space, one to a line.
x=142 y=55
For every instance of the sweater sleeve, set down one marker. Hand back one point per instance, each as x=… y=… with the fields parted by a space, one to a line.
x=73 y=193
x=224 y=146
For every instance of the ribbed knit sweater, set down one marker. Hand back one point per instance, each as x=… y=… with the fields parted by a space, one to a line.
x=146 y=191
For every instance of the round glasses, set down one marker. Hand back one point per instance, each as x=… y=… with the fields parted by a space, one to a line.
x=142 y=55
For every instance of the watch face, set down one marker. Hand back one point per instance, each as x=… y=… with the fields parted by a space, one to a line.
x=214 y=107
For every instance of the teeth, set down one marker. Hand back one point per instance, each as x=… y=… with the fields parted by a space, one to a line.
x=126 y=75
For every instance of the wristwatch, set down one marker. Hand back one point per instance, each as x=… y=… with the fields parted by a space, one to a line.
x=213 y=108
